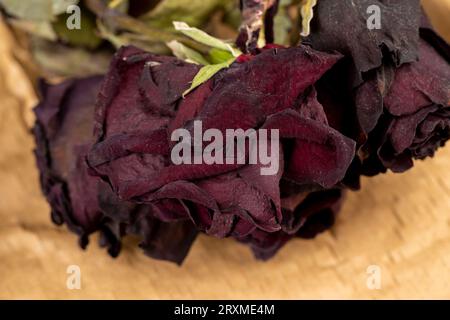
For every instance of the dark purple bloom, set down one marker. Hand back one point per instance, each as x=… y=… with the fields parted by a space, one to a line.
x=416 y=121
x=343 y=26
x=63 y=133
x=399 y=110
x=104 y=143
x=140 y=104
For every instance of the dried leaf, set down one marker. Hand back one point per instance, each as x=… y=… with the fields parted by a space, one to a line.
x=42 y=29
x=252 y=12
x=218 y=56
x=56 y=59
x=282 y=23
x=307 y=12
x=85 y=37
x=60 y=6
x=116 y=40
x=40 y=10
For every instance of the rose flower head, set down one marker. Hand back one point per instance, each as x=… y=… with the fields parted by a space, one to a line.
x=141 y=104
x=63 y=133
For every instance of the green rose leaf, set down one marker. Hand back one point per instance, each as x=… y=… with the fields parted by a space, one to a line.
x=206 y=73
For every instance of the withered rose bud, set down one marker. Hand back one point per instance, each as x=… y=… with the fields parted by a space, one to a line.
x=391 y=91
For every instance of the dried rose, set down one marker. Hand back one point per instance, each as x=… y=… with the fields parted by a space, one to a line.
x=63 y=133
x=416 y=118
x=141 y=103
x=400 y=110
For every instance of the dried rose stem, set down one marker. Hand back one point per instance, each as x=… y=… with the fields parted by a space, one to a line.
x=269 y=21
x=254 y=14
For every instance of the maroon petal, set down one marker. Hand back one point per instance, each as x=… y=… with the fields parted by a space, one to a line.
x=420 y=84
x=319 y=154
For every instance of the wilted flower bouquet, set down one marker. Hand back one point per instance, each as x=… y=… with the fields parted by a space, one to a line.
x=366 y=89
